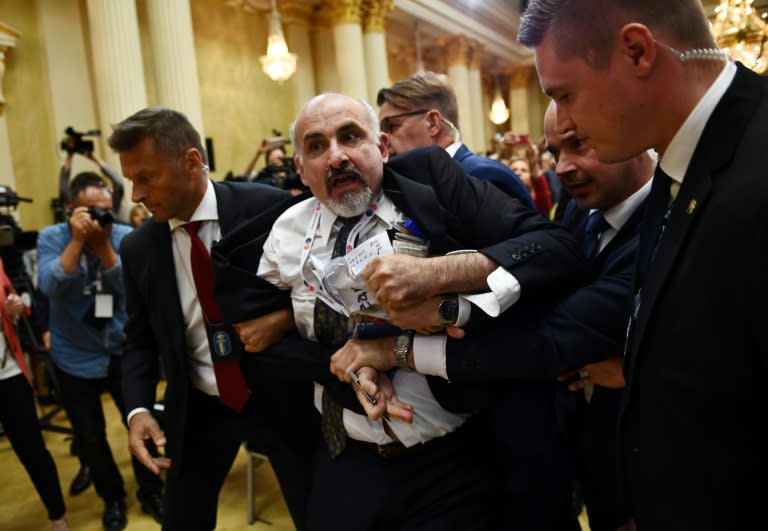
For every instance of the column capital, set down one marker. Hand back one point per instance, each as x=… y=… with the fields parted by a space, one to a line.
x=374 y=13
x=476 y=51
x=345 y=11
x=294 y=11
x=8 y=37
x=519 y=77
x=456 y=50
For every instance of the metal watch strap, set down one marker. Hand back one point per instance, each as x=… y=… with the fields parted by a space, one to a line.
x=401 y=345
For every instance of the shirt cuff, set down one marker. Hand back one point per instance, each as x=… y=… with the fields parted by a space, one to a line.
x=429 y=355
x=135 y=412
x=505 y=291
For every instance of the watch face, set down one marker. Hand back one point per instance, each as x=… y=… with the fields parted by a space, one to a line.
x=449 y=310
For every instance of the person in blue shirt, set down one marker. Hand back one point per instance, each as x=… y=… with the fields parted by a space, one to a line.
x=81 y=273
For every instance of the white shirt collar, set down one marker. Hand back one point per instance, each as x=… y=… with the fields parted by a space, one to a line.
x=453 y=148
x=385 y=212
x=678 y=155
x=207 y=210
x=617 y=215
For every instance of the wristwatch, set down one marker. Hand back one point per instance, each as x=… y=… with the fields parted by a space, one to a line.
x=402 y=344
x=448 y=310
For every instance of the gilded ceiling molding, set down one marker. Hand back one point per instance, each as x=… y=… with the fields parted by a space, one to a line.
x=345 y=11
x=8 y=37
x=295 y=11
x=456 y=50
x=374 y=14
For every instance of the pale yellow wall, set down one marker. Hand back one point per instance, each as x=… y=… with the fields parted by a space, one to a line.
x=240 y=103
x=33 y=142
x=537 y=106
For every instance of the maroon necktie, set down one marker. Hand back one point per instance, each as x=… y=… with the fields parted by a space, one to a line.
x=233 y=391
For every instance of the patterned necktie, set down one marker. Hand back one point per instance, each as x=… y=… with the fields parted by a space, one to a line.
x=233 y=391
x=331 y=329
x=596 y=225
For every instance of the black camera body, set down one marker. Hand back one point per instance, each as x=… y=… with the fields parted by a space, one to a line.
x=103 y=216
x=75 y=143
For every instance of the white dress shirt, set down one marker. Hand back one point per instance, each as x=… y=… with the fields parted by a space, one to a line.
x=675 y=160
x=200 y=363
x=10 y=368
x=280 y=264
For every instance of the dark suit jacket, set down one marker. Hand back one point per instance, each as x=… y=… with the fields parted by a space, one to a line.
x=693 y=417
x=528 y=414
x=495 y=172
x=155 y=325
x=455 y=212
x=585 y=326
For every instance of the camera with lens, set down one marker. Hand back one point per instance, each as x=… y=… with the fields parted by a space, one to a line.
x=103 y=216
x=75 y=143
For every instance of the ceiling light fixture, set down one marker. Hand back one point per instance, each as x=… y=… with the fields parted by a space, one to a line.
x=279 y=64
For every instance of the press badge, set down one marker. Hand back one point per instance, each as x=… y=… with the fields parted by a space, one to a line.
x=104 y=306
x=223 y=342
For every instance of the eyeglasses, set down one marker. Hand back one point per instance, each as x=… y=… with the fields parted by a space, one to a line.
x=386 y=123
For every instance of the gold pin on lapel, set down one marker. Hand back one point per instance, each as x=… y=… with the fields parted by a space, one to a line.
x=691 y=207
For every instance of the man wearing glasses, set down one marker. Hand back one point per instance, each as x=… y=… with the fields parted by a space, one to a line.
x=421 y=111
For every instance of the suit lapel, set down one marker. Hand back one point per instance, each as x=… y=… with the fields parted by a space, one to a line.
x=407 y=194
x=162 y=280
x=715 y=149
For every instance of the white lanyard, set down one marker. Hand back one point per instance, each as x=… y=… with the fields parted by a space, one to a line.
x=312 y=286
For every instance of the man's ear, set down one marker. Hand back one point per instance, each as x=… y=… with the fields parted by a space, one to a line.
x=638 y=48
x=434 y=118
x=384 y=146
x=193 y=160
x=299 y=168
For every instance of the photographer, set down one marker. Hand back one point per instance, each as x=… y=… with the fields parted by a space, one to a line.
x=279 y=169
x=81 y=273
x=74 y=143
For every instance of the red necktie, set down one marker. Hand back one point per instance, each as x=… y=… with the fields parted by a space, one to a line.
x=233 y=391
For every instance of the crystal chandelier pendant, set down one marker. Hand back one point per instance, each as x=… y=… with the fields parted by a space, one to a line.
x=279 y=64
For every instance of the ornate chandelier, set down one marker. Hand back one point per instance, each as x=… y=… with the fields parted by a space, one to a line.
x=739 y=29
x=279 y=64
x=499 y=112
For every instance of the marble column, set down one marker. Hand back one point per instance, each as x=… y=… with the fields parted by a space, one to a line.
x=374 y=42
x=324 y=51
x=478 y=113
x=62 y=34
x=8 y=37
x=173 y=51
x=348 y=38
x=117 y=68
x=295 y=16
x=457 y=52
x=518 y=100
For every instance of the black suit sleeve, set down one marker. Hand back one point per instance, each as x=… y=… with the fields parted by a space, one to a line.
x=140 y=364
x=586 y=326
x=296 y=358
x=457 y=211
